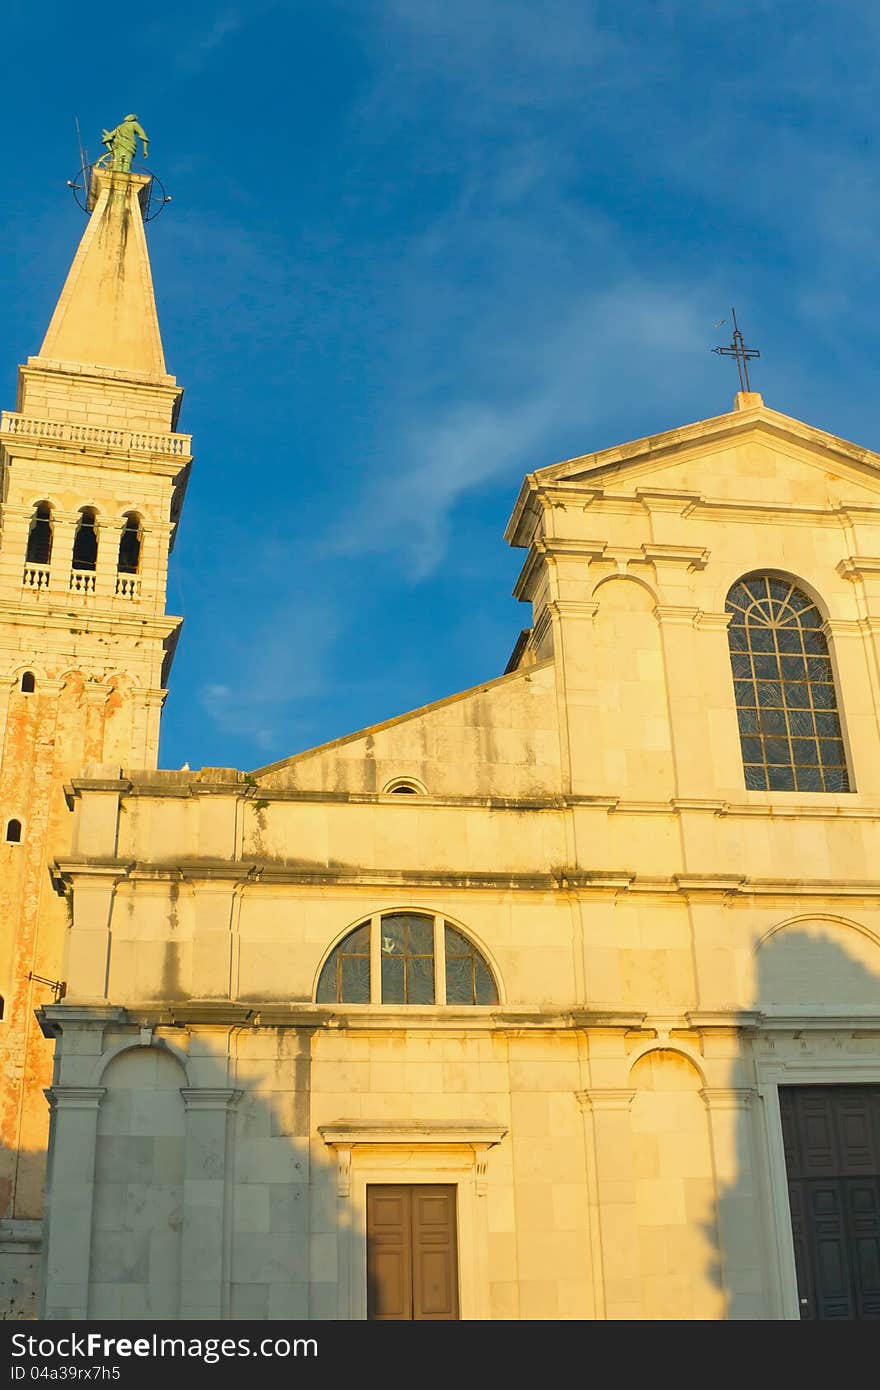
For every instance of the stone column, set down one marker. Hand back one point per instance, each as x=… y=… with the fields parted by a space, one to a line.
x=63 y=532
x=109 y=533
x=155 y=543
x=737 y=1200
x=207 y=1200
x=71 y=1192
x=612 y=1198
x=16 y=528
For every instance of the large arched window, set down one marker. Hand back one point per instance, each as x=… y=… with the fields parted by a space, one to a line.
x=784 y=687
x=406 y=958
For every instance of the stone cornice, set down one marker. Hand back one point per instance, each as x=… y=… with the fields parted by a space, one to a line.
x=676 y=615
x=830 y=806
x=587 y=473
x=55 y=454
x=692 y=557
x=727 y=1097
x=584 y=609
x=804 y=1020
x=549 y=550
x=605 y=1098
x=553 y=549
x=197 y=871
x=609 y=1020
x=721 y=1020
x=123 y=377
x=210 y=1097
x=440 y=1020
x=75 y=1097
x=347 y=1133
x=117 y=620
x=543 y=621
x=672 y=500
x=854 y=567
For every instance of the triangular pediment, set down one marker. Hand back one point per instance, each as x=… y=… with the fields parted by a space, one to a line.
x=752 y=456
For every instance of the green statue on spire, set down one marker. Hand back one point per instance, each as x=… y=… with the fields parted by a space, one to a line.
x=122 y=143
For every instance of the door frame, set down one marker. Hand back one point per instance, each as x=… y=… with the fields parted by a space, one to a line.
x=814 y=1070
x=368 y=1155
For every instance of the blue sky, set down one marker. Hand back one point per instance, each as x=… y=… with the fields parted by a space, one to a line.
x=417 y=248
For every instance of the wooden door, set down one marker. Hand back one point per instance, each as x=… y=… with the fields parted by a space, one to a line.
x=412 y=1255
x=832 y=1157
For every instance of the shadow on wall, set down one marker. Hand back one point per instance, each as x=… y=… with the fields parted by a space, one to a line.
x=20 y=1245
x=206 y=1200
x=817 y=973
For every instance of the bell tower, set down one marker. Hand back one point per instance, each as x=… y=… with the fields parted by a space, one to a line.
x=93 y=477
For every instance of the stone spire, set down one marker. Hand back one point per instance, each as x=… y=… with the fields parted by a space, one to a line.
x=106 y=316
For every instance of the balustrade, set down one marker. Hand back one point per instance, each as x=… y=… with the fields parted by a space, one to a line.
x=35 y=576
x=177 y=445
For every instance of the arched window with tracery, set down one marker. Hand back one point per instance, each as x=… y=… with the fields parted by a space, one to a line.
x=783 y=682
x=406 y=958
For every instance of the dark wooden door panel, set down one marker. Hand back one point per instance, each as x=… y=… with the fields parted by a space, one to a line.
x=435 y=1258
x=832 y=1153
x=412 y=1255
x=864 y=1224
x=389 y=1254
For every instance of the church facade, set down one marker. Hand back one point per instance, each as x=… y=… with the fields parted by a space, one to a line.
x=556 y=999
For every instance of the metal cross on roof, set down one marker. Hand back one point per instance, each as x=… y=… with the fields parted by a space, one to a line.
x=742 y=354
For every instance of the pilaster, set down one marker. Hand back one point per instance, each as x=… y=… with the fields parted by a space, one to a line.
x=68 y=1242
x=608 y=1136
x=207 y=1198
x=737 y=1199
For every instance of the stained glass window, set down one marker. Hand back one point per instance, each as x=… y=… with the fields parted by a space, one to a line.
x=411 y=972
x=468 y=980
x=784 y=689
x=407 y=959
x=346 y=974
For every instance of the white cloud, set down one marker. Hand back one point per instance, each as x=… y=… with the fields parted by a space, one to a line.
x=568 y=386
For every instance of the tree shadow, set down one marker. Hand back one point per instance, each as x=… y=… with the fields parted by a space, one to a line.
x=183 y=1182
x=788 y=1240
